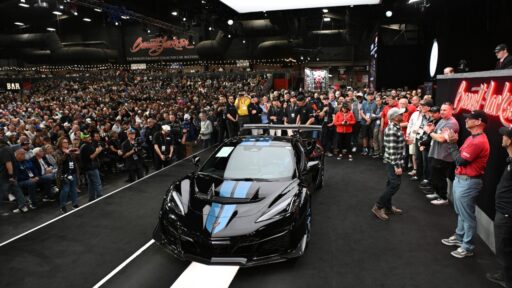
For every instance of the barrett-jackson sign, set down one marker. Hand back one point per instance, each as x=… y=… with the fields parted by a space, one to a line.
x=491 y=92
x=160 y=48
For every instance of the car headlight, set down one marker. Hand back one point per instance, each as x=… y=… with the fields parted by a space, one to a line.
x=174 y=202
x=279 y=210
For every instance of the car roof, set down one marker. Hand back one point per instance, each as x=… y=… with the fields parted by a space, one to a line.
x=275 y=141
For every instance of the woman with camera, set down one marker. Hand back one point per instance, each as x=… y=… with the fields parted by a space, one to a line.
x=66 y=173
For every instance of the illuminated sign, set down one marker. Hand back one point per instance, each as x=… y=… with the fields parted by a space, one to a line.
x=487 y=97
x=13 y=86
x=157 y=45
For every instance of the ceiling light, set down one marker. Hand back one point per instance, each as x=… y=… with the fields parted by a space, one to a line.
x=229 y=35
x=50 y=29
x=174 y=13
x=412 y=1
x=19 y=24
x=149 y=31
x=243 y=41
x=125 y=17
x=116 y=23
x=87 y=19
x=24 y=5
x=97 y=9
x=22 y=1
x=389 y=13
x=75 y=13
x=327 y=19
x=325 y=10
x=61 y=7
x=230 y=22
x=210 y=28
x=203 y=1
x=272 y=5
x=58 y=13
x=184 y=19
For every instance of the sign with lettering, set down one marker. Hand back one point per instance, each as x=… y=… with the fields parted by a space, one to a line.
x=144 y=48
x=12 y=86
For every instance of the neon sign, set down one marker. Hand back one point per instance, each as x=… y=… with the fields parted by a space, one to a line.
x=157 y=45
x=485 y=97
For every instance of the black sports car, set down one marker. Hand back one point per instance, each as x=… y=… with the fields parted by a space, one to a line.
x=249 y=204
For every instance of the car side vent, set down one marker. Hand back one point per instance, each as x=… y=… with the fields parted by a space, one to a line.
x=278 y=197
x=256 y=195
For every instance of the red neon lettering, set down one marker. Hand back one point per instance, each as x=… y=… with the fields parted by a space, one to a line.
x=157 y=45
x=486 y=99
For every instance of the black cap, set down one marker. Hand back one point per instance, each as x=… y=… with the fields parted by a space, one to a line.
x=427 y=103
x=435 y=109
x=477 y=114
x=506 y=131
x=500 y=47
x=325 y=98
x=301 y=97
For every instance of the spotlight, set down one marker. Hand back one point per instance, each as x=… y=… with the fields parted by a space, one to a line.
x=50 y=29
x=210 y=28
x=243 y=41
x=389 y=13
x=229 y=35
x=97 y=9
x=412 y=1
x=87 y=19
x=125 y=17
x=24 y=5
x=58 y=13
x=116 y=23
x=325 y=10
x=230 y=22
x=75 y=13
x=19 y=24
x=61 y=7
x=184 y=19
x=327 y=19
x=174 y=13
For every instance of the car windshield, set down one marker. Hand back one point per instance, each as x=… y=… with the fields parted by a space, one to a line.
x=252 y=162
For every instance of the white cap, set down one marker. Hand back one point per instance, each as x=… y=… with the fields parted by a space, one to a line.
x=393 y=112
x=186 y=117
x=166 y=128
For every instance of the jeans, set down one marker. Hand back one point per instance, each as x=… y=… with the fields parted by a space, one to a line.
x=30 y=187
x=94 y=184
x=465 y=192
x=503 y=240
x=392 y=186
x=13 y=188
x=68 y=189
x=46 y=182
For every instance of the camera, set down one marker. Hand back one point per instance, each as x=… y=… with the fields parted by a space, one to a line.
x=67 y=178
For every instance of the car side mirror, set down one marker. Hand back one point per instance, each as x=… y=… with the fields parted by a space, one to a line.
x=196 y=160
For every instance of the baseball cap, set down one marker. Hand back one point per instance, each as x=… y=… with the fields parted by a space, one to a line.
x=166 y=128
x=435 y=109
x=393 y=112
x=84 y=135
x=506 y=131
x=477 y=114
x=301 y=97
x=186 y=117
x=132 y=131
x=500 y=47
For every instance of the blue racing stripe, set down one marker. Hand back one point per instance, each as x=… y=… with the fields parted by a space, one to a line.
x=227 y=212
x=241 y=189
x=212 y=215
x=226 y=188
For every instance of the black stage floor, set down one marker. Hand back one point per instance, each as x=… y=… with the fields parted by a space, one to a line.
x=349 y=246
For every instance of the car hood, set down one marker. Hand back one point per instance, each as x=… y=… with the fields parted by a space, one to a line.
x=233 y=202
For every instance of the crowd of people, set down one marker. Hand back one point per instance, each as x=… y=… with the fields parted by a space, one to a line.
x=65 y=133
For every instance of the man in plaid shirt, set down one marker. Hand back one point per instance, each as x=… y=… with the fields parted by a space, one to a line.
x=394 y=145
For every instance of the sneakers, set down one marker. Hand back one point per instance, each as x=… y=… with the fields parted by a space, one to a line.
x=461 y=253
x=32 y=206
x=354 y=150
x=439 y=202
x=350 y=158
x=432 y=196
x=63 y=210
x=451 y=241
x=412 y=173
x=11 y=197
x=23 y=209
x=365 y=152
x=380 y=213
x=394 y=211
x=497 y=278
x=48 y=199
x=339 y=157
x=76 y=206
x=414 y=178
x=328 y=154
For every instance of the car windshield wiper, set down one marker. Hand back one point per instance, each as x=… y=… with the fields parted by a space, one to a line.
x=210 y=174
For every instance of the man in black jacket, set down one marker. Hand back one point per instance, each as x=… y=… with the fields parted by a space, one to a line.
x=255 y=114
x=504 y=59
x=326 y=115
x=90 y=164
x=132 y=154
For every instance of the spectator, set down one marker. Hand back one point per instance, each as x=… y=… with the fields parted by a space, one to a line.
x=442 y=165
x=326 y=117
x=276 y=116
x=8 y=183
x=242 y=106
x=393 y=160
x=132 y=153
x=231 y=117
x=504 y=59
x=206 y=131
x=91 y=165
x=26 y=176
x=344 y=120
x=375 y=127
x=46 y=173
x=417 y=121
x=163 y=147
x=471 y=161
x=66 y=177
x=367 y=109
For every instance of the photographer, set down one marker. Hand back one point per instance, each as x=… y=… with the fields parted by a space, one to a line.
x=132 y=153
x=90 y=163
x=66 y=173
x=163 y=148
